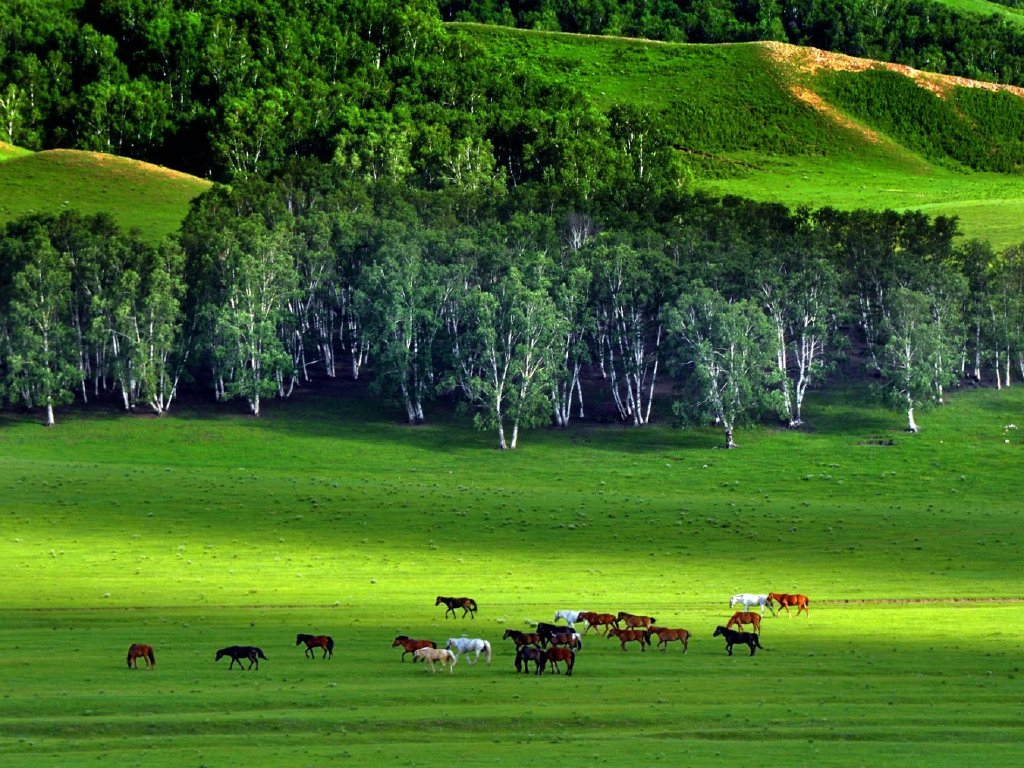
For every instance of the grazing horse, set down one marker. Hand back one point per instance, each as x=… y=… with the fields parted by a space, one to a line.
x=470 y=645
x=598 y=620
x=145 y=652
x=326 y=642
x=523 y=638
x=411 y=646
x=665 y=636
x=442 y=656
x=527 y=653
x=571 y=617
x=785 y=601
x=746 y=600
x=745 y=617
x=239 y=652
x=555 y=655
x=632 y=621
x=732 y=637
x=467 y=604
x=631 y=636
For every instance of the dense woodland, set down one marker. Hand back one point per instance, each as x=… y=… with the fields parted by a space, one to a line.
x=406 y=209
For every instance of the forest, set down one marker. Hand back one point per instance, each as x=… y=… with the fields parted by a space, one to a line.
x=400 y=206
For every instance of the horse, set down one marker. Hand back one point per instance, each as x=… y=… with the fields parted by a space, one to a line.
x=570 y=639
x=527 y=653
x=410 y=646
x=522 y=638
x=239 y=652
x=785 y=601
x=548 y=631
x=596 y=620
x=441 y=655
x=746 y=600
x=665 y=636
x=326 y=642
x=570 y=617
x=632 y=621
x=631 y=636
x=733 y=637
x=145 y=652
x=467 y=604
x=470 y=645
x=745 y=617
x=555 y=655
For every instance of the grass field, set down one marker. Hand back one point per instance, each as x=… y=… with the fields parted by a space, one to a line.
x=138 y=195
x=205 y=529
x=733 y=112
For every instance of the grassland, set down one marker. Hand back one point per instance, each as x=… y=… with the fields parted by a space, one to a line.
x=138 y=195
x=205 y=529
x=749 y=122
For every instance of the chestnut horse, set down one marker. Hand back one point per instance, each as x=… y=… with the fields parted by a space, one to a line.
x=665 y=636
x=732 y=637
x=631 y=636
x=145 y=652
x=555 y=655
x=522 y=638
x=467 y=604
x=442 y=656
x=745 y=617
x=598 y=620
x=785 y=601
x=326 y=642
x=632 y=621
x=411 y=646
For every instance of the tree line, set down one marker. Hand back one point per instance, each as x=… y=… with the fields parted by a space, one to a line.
x=274 y=284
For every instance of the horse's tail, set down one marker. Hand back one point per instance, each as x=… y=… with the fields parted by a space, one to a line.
x=570 y=662
x=330 y=644
x=487 y=651
x=152 y=657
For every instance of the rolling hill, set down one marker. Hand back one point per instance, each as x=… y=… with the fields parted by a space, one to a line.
x=755 y=120
x=139 y=195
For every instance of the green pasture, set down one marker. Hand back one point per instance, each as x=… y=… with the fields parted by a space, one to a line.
x=986 y=8
x=729 y=110
x=138 y=195
x=205 y=529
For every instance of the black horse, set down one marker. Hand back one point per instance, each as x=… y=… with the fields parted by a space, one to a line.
x=527 y=653
x=239 y=652
x=733 y=637
x=467 y=604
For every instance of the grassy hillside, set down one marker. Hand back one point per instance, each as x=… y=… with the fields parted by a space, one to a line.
x=204 y=529
x=138 y=194
x=986 y=8
x=751 y=120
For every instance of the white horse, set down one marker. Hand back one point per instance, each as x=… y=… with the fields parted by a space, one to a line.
x=571 y=617
x=441 y=655
x=471 y=645
x=747 y=600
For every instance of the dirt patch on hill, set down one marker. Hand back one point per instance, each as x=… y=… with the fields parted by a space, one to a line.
x=812 y=60
x=116 y=163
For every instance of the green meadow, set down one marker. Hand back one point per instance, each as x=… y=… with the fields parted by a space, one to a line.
x=740 y=130
x=206 y=529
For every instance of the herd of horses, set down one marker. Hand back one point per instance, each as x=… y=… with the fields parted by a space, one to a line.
x=546 y=647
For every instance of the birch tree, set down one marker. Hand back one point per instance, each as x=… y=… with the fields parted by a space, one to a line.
x=724 y=354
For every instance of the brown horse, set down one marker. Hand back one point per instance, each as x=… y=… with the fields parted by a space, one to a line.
x=597 y=620
x=555 y=655
x=326 y=642
x=631 y=636
x=145 y=652
x=522 y=638
x=467 y=604
x=411 y=646
x=745 y=617
x=632 y=621
x=442 y=656
x=800 y=601
x=665 y=636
